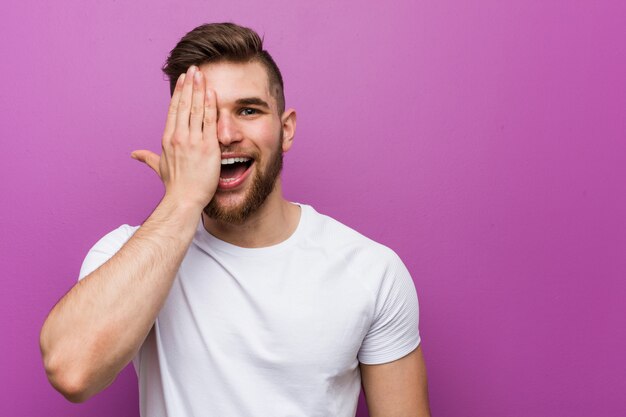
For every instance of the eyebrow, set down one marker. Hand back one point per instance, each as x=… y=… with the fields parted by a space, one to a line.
x=252 y=101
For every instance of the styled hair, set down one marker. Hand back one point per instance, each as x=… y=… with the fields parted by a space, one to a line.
x=223 y=42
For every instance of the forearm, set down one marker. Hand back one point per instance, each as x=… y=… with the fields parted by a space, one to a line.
x=99 y=325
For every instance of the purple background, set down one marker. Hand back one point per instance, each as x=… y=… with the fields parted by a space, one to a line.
x=484 y=143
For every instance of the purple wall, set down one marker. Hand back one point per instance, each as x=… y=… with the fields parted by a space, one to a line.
x=485 y=143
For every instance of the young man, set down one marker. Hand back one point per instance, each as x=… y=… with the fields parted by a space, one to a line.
x=230 y=300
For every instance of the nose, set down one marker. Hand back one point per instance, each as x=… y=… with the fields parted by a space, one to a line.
x=227 y=129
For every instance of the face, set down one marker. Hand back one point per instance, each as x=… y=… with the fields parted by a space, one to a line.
x=252 y=136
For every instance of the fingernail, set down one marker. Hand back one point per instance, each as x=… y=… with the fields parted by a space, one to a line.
x=197 y=76
x=192 y=69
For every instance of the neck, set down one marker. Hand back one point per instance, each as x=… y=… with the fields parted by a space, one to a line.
x=271 y=224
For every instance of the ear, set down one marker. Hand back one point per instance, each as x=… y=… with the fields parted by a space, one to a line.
x=288 y=120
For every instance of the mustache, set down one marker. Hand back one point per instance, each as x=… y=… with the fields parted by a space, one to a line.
x=253 y=153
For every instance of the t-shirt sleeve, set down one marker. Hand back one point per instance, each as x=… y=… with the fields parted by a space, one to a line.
x=105 y=248
x=394 y=330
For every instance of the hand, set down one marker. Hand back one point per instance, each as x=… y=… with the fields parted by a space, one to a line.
x=190 y=163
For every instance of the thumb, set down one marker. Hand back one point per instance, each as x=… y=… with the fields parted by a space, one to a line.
x=149 y=158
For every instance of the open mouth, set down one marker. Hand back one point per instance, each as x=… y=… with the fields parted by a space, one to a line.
x=234 y=171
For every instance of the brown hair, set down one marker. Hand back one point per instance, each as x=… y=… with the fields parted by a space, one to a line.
x=215 y=42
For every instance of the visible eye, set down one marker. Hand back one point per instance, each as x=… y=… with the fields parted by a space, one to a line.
x=247 y=111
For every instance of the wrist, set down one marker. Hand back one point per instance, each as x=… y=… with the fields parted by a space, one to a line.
x=184 y=206
x=175 y=216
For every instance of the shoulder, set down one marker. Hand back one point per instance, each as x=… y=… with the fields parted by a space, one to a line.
x=348 y=243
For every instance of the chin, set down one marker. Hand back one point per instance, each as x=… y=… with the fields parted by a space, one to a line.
x=228 y=209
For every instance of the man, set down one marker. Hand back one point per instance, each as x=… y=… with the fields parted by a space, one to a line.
x=230 y=300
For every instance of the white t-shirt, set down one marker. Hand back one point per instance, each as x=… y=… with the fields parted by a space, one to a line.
x=274 y=331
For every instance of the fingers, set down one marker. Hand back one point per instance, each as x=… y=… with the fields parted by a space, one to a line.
x=149 y=158
x=172 y=112
x=184 y=105
x=192 y=109
x=209 y=122
x=197 y=108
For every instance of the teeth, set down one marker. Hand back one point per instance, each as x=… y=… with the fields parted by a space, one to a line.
x=228 y=161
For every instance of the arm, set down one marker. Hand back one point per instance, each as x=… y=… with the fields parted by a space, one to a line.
x=398 y=388
x=94 y=331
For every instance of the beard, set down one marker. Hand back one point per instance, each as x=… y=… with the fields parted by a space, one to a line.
x=262 y=186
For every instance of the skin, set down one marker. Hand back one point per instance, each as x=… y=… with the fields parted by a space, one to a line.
x=96 y=329
x=277 y=218
x=398 y=388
